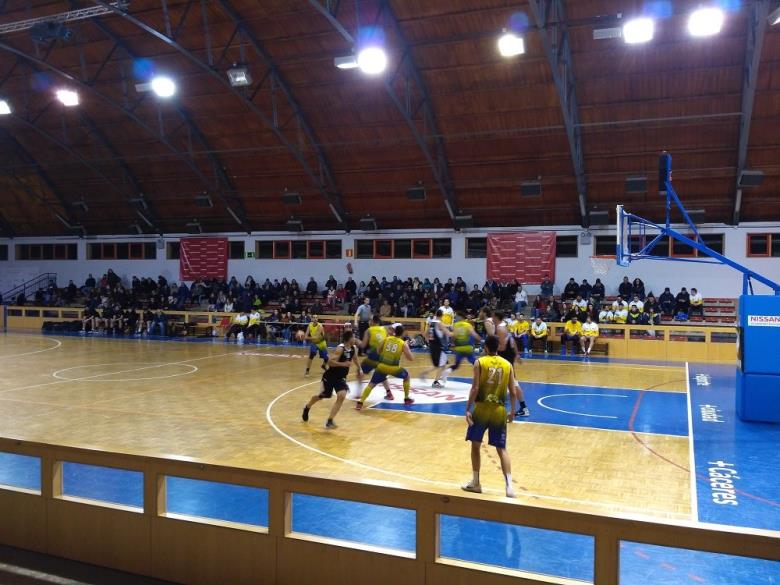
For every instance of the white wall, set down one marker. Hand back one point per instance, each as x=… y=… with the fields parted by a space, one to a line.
x=711 y=280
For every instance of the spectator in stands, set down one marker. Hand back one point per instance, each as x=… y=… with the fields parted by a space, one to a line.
x=682 y=304
x=311 y=287
x=634 y=315
x=351 y=287
x=159 y=322
x=580 y=304
x=636 y=302
x=385 y=310
x=112 y=279
x=228 y=306
x=585 y=289
x=571 y=290
x=88 y=319
x=330 y=299
x=146 y=317
x=571 y=333
x=625 y=289
x=89 y=284
x=521 y=329
x=651 y=305
x=590 y=333
x=619 y=303
x=521 y=299
x=597 y=292
x=606 y=315
x=539 y=334
x=21 y=299
x=697 y=303
x=638 y=288
x=621 y=313
x=666 y=302
x=238 y=325
x=70 y=292
x=547 y=287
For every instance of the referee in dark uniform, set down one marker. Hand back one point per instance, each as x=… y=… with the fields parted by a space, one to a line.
x=362 y=319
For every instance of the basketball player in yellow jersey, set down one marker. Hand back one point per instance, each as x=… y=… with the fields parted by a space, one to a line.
x=464 y=338
x=494 y=378
x=390 y=352
x=315 y=335
x=372 y=339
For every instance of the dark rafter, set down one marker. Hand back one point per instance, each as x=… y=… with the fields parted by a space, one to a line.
x=550 y=17
x=320 y=176
x=758 y=13
x=429 y=140
x=127 y=111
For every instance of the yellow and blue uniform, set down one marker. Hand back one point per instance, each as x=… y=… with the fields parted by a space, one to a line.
x=520 y=329
x=463 y=340
x=390 y=361
x=376 y=335
x=316 y=333
x=490 y=407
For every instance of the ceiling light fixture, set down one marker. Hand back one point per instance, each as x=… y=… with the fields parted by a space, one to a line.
x=372 y=60
x=510 y=45
x=68 y=97
x=5 y=108
x=163 y=86
x=239 y=76
x=346 y=62
x=638 y=30
x=705 y=22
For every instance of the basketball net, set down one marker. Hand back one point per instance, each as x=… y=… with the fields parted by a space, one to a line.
x=601 y=264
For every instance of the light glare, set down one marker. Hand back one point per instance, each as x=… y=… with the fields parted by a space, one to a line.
x=372 y=60
x=5 y=108
x=705 y=22
x=164 y=87
x=638 y=30
x=68 y=97
x=509 y=45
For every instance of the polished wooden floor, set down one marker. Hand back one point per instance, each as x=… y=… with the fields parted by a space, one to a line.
x=240 y=405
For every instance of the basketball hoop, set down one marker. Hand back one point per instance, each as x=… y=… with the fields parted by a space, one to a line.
x=602 y=264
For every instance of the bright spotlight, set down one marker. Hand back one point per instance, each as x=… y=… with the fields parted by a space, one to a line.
x=510 y=45
x=164 y=87
x=372 y=60
x=705 y=22
x=68 y=97
x=774 y=17
x=638 y=30
x=5 y=108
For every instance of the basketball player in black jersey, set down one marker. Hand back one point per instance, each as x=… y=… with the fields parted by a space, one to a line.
x=507 y=349
x=335 y=377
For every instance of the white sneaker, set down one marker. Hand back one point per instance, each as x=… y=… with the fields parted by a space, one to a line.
x=472 y=487
x=510 y=493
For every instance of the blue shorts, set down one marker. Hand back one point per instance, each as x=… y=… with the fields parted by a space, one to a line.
x=465 y=353
x=320 y=348
x=490 y=418
x=370 y=362
x=383 y=371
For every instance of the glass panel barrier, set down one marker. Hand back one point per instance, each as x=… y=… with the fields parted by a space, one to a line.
x=642 y=564
x=121 y=487
x=358 y=523
x=718 y=337
x=649 y=334
x=20 y=471
x=225 y=502
x=690 y=336
x=519 y=548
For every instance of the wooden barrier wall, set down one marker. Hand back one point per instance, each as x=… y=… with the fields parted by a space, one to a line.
x=677 y=343
x=148 y=542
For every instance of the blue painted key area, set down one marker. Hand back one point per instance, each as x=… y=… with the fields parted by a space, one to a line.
x=737 y=463
x=20 y=471
x=105 y=484
x=217 y=501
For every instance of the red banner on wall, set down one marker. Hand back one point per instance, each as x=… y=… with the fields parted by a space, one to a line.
x=203 y=258
x=525 y=256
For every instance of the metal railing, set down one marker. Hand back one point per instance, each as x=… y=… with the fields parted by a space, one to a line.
x=41 y=281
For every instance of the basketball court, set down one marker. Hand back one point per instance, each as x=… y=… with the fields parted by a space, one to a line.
x=604 y=436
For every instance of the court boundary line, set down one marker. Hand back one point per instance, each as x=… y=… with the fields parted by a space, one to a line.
x=54 y=374
x=16 y=355
x=691 y=451
x=543 y=405
x=527 y=494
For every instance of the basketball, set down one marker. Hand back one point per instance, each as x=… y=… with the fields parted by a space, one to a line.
x=299 y=336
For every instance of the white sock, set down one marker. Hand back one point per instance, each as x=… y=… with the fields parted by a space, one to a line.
x=510 y=492
x=508 y=478
x=475 y=478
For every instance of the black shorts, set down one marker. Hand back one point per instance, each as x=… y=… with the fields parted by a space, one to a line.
x=509 y=354
x=438 y=357
x=334 y=379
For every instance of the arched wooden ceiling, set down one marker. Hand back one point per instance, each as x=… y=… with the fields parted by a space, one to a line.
x=450 y=113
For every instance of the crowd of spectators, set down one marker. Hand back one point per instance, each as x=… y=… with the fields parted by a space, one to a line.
x=140 y=302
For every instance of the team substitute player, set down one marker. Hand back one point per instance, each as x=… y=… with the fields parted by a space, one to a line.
x=315 y=335
x=494 y=378
x=390 y=352
x=508 y=350
x=335 y=378
x=437 y=341
x=465 y=338
x=372 y=339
